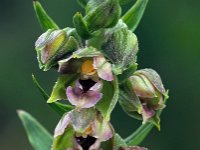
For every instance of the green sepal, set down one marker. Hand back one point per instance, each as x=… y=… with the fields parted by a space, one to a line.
x=71 y=32
x=82 y=118
x=81 y=26
x=153 y=77
x=64 y=141
x=102 y=14
x=127 y=73
x=56 y=106
x=143 y=131
x=134 y=15
x=118 y=142
x=86 y=52
x=38 y=136
x=110 y=98
x=155 y=120
x=59 y=89
x=45 y=21
x=129 y=101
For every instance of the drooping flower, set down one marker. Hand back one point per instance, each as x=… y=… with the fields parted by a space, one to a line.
x=146 y=93
x=84 y=129
x=89 y=63
x=53 y=45
x=85 y=94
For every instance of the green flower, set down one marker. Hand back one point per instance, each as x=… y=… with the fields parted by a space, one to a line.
x=142 y=95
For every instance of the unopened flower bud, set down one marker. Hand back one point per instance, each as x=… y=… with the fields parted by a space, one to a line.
x=119 y=45
x=102 y=14
x=146 y=93
x=54 y=45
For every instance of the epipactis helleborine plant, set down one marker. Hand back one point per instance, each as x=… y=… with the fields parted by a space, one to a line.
x=96 y=61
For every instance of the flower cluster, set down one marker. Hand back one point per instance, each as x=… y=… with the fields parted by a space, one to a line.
x=96 y=63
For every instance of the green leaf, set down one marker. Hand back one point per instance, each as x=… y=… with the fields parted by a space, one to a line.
x=45 y=21
x=127 y=73
x=59 y=89
x=58 y=107
x=118 y=142
x=134 y=15
x=38 y=136
x=110 y=97
x=141 y=133
x=82 y=3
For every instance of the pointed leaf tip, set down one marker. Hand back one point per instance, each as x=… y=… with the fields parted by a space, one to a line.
x=20 y=112
x=44 y=19
x=56 y=106
x=38 y=136
x=82 y=3
x=134 y=15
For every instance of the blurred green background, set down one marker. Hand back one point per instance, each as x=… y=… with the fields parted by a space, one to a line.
x=169 y=36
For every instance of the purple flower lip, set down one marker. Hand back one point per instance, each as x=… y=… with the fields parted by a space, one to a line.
x=147 y=112
x=86 y=93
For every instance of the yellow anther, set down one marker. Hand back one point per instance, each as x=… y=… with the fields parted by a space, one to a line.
x=87 y=132
x=87 y=68
x=75 y=56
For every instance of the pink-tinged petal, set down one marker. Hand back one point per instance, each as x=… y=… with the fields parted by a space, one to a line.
x=91 y=98
x=104 y=69
x=105 y=72
x=73 y=95
x=98 y=61
x=134 y=148
x=147 y=113
x=97 y=87
x=62 y=125
x=81 y=99
x=101 y=129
